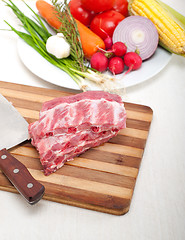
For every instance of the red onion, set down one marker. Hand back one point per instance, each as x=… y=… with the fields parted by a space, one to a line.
x=139 y=34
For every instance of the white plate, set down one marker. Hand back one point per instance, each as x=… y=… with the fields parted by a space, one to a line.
x=48 y=72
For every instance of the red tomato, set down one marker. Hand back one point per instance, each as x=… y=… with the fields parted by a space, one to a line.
x=98 y=5
x=80 y=13
x=121 y=6
x=106 y=22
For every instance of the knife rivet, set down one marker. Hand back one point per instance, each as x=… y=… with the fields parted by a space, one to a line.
x=3 y=157
x=29 y=185
x=16 y=170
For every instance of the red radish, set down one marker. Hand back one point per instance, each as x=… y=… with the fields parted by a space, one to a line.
x=99 y=61
x=108 y=40
x=119 y=49
x=108 y=43
x=133 y=61
x=116 y=65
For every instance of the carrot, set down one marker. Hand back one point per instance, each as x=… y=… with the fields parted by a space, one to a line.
x=48 y=12
x=90 y=41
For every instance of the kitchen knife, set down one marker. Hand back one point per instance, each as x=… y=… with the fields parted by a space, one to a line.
x=14 y=130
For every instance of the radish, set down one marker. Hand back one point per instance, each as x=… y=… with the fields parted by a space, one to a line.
x=119 y=49
x=116 y=65
x=108 y=40
x=99 y=61
x=133 y=61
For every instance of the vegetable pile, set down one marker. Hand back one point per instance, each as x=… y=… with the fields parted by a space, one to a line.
x=93 y=36
x=37 y=36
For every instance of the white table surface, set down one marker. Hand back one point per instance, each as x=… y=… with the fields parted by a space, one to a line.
x=157 y=211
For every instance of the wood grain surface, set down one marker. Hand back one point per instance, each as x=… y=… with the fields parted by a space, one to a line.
x=103 y=178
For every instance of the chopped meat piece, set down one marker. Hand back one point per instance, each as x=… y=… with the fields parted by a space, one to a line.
x=68 y=126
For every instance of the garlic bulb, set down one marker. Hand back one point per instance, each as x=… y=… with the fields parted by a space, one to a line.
x=58 y=46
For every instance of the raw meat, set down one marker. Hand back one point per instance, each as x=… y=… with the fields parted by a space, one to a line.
x=68 y=126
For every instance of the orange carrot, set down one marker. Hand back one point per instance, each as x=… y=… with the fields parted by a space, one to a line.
x=48 y=12
x=90 y=41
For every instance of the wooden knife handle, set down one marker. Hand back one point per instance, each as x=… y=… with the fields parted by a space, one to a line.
x=20 y=177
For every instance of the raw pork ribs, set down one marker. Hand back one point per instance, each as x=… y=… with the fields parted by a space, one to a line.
x=68 y=126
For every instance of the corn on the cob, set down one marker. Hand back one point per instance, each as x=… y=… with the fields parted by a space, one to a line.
x=171 y=34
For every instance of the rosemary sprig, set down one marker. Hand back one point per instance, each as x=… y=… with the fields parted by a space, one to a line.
x=70 y=30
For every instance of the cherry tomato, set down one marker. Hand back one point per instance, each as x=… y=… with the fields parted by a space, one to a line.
x=121 y=6
x=80 y=13
x=105 y=23
x=98 y=5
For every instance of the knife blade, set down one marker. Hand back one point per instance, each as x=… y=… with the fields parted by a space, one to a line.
x=14 y=130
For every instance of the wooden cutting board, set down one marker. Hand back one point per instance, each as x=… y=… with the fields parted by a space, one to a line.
x=103 y=178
